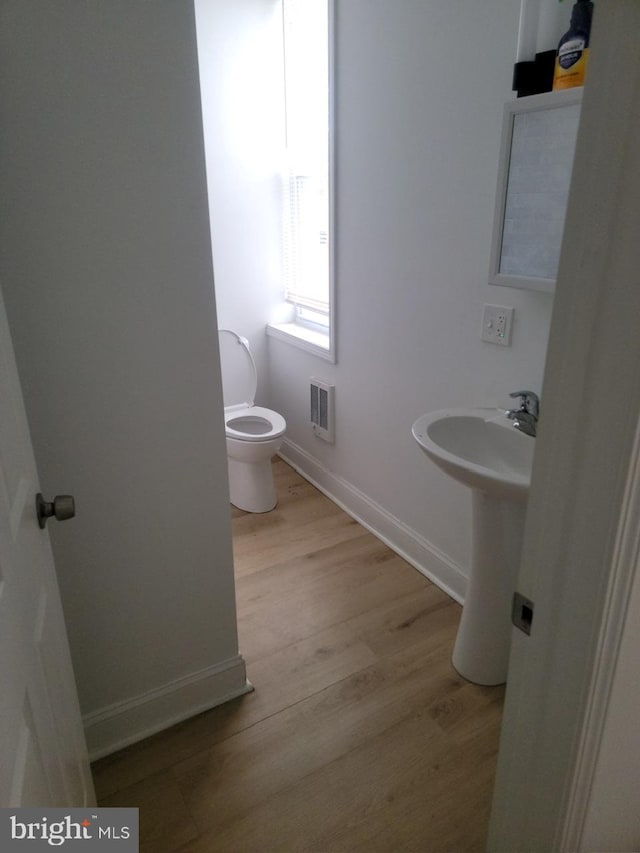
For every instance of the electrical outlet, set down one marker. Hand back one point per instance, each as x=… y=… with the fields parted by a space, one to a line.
x=496 y=324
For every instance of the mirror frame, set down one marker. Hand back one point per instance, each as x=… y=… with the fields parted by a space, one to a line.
x=532 y=103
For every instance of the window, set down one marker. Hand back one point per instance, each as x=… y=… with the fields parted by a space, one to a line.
x=307 y=186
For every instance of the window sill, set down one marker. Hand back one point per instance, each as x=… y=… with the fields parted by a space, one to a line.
x=316 y=343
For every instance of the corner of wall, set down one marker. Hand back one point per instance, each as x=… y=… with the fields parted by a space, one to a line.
x=407 y=543
x=123 y=723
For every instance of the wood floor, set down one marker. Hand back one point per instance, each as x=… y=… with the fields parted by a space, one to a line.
x=359 y=736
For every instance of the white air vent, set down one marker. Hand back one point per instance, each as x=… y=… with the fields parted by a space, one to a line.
x=322 y=404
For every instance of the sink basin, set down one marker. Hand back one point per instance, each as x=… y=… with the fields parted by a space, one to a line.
x=480 y=448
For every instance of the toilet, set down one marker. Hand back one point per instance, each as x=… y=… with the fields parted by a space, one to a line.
x=253 y=433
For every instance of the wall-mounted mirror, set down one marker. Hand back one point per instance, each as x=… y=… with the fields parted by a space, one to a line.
x=536 y=159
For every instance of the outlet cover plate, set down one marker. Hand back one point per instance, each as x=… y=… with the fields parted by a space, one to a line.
x=496 y=324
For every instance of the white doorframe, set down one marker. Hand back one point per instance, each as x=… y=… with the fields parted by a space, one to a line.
x=579 y=552
x=625 y=571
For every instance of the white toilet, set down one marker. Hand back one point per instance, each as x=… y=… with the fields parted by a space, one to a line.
x=254 y=434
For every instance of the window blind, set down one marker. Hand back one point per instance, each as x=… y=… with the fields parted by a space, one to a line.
x=306 y=196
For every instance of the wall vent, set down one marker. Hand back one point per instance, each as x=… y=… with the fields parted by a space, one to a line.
x=322 y=406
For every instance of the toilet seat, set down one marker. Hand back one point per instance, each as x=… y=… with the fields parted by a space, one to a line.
x=244 y=421
x=253 y=423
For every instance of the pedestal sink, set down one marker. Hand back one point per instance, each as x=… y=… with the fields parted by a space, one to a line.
x=482 y=449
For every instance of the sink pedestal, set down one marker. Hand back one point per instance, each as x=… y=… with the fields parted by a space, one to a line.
x=481 y=651
x=482 y=449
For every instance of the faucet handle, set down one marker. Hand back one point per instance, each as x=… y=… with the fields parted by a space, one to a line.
x=530 y=402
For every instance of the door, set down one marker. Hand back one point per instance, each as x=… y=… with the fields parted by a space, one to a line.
x=43 y=756
x=582 y=538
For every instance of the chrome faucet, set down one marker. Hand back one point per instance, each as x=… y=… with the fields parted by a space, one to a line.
x=525 y=418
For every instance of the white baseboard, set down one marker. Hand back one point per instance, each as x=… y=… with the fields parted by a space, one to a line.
x=119 y=725
x=408 y=544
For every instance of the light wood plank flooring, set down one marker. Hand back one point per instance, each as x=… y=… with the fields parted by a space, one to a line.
x=359 y=736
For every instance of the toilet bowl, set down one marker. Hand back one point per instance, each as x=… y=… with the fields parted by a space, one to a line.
x=254 y=434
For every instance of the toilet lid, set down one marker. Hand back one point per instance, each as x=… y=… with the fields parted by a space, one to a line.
x=239 y=376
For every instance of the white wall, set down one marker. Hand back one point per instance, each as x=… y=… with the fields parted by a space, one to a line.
x=240 y=60
x=420 y=91
x=106 y=268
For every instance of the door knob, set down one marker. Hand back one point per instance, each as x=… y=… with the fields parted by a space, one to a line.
x=61 y=507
